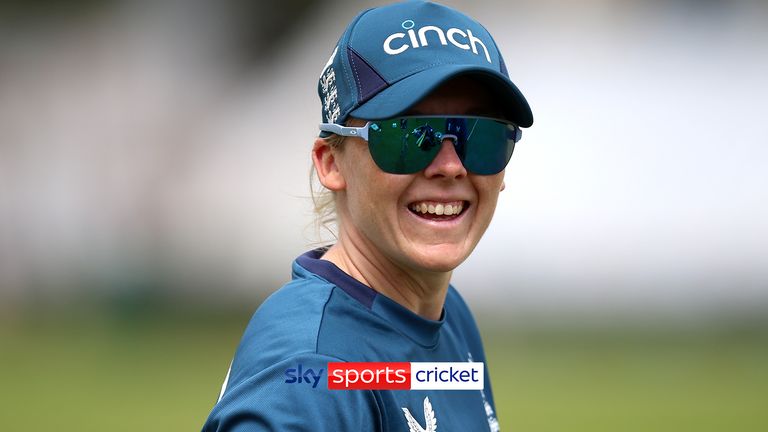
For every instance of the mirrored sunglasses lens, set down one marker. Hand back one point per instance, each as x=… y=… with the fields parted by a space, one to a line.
x=488 y=147
x=405 y=145
x=409 y=144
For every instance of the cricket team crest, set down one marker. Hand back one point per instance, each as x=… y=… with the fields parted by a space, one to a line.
x=329 y=92
x=429 y=417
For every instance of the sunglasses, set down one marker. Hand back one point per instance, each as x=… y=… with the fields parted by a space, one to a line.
x=406 y=145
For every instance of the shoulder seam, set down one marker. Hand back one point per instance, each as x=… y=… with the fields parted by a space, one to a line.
x=322 y=318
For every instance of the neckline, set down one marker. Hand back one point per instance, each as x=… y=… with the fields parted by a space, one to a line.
x=423 y=331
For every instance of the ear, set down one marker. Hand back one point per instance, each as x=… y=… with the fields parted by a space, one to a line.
x=503 y=186
x=324 y=158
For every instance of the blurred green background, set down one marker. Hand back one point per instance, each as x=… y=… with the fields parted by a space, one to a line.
x=161 y=370
x=154 y=161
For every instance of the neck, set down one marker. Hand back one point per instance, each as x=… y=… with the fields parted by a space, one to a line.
x=422 y=292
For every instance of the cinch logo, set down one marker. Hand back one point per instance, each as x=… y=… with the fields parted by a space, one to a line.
x=457 y=37
x=299 y=375
x=406 y=376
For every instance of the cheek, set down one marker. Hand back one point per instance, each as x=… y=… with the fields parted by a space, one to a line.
x=376 y=194
x=353 y=166
x=365 y=181
x=371 y=193
x=488 y=188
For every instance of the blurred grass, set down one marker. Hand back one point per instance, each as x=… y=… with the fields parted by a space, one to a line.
x=89 y=372
x=631 y=379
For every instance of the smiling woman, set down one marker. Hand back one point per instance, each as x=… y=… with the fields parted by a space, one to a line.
x=413 y=147
x=412 y=253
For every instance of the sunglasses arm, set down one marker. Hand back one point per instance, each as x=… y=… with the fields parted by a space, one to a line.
x=361 y=132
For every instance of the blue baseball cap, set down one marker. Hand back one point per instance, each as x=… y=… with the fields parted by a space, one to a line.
x=391 y=57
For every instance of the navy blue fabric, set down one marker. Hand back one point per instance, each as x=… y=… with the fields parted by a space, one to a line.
x=327 y=270
x=503 y=67
x=369 y=82
x=324 y=315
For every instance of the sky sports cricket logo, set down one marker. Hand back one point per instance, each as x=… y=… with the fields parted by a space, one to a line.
x=393 y=376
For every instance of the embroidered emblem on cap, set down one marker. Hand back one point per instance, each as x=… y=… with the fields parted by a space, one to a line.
x=330 y=95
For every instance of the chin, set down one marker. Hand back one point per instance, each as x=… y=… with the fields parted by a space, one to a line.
x=440 y=259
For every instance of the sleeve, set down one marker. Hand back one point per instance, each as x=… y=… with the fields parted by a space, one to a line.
x=293 y=395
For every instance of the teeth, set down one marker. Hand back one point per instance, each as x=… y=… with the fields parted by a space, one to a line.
x=447 y=209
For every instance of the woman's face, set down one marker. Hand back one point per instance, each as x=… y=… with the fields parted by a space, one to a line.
x=383 y=213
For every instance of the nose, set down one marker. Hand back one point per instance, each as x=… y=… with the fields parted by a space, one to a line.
x=447 y=163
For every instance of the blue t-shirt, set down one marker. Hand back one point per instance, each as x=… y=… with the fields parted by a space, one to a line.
x=324 y=315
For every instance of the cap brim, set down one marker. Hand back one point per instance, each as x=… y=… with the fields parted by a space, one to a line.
x=402 y=95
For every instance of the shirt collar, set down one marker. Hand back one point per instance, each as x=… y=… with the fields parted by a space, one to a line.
x=423 y=331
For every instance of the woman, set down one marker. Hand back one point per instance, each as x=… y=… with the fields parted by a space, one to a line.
x=419 y=122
